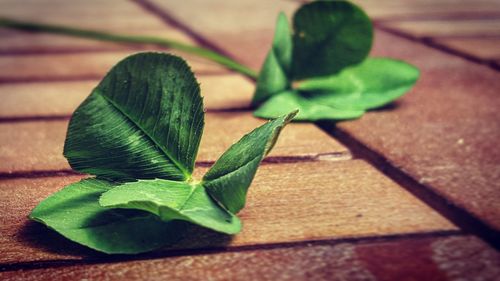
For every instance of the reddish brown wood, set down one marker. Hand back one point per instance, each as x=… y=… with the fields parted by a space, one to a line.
x=446 y=139
x=430 y=259
x=287 y=203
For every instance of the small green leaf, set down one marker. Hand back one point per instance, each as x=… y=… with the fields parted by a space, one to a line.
x=328 y=36
x=229 y=178
x=172 y=200
x=75 y=213
x=282 y=43
x=144 y=120
x=371 y=84
x=273 y=77
x=308 y=109
x=271 y=80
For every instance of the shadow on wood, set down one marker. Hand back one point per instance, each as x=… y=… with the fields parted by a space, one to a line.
x=37 y=236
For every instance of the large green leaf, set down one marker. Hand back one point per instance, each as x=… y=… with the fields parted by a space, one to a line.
x=228 y=179
x=75 y=213
x=273 y=77
x=308 y=109
x=371 y=84
x=328 y=36
x=144 y=120
x=172 y=200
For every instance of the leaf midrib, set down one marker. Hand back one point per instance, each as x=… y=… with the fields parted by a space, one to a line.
x=183 y=169
x=191 y=193
x=233 y=171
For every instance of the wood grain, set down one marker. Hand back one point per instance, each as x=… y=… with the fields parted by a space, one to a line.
x=38 y=145
x=330 y=200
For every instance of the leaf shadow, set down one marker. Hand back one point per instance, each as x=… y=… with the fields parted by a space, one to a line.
x=197 y=237
x=193 y=238
x=388 y=107
x=36 y=235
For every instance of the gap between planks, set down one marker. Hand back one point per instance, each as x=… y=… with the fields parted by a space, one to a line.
x=271 y=160
x=196 y=252
x=430 y=42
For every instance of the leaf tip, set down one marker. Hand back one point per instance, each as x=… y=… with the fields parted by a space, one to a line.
x=292 y=114
x=287 y=118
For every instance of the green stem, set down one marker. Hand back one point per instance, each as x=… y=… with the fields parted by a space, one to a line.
x=113 y=37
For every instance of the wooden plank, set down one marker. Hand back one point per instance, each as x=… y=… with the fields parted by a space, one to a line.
x=43 y=99
x=489 y=27
x=432 y=259
x=46 y=99
x=81 y=66
x=329 y=200
x=481 y=48
x=444 y=133
x=32 y=146
x=38 y=145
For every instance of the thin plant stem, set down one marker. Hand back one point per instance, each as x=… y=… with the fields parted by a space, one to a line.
x=136 y=39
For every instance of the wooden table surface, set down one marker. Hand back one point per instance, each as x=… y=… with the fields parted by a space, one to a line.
x=410 y=192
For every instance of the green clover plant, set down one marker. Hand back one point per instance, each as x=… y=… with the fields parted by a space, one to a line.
x=321 y=66
x=138 y=134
